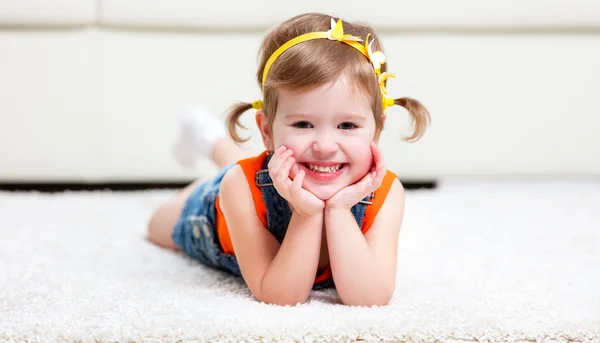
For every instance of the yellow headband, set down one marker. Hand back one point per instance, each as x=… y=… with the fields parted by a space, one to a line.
x=336 y=32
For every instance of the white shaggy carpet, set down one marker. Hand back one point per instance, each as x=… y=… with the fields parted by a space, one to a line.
x=478 y=261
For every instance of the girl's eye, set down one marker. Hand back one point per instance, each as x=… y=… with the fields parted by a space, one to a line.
x=302 y=125
x=347 y=126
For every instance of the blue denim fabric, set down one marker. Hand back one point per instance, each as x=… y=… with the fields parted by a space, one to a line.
x=195 y=232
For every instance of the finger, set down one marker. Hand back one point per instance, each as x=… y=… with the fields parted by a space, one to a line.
x=379 y=161
x=277 y=153
x=273 y=161
x=280 y=149
x=377 y=156
x=279 y=159
x=374 y=154
x=282 y=156
x=360 y=186
x=365 y=184
x=377 y=181
x=296 y=186
x=283 y=174
x=288 y=165
x=294 y=170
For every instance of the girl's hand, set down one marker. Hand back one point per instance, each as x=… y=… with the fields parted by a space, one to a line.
x=302 y=201
x=351 y=195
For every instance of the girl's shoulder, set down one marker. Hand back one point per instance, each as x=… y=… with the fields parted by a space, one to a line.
x=236 y=195
x=234 y=176
x=238 y=185
x=391 y=196
x=244 y=170
x=391 y=190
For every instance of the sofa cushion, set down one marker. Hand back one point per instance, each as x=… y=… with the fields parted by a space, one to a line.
x=47 y=12
x=401 y=14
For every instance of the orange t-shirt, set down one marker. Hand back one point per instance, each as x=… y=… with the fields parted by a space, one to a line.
x=252 y=165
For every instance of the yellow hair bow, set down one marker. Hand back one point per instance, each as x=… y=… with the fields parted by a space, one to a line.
x=257 y=104
x=382 y=78
x=387 y=102
x=337 y=33
x=377 y=58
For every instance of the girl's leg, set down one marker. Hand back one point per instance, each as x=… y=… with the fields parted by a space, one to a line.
x=162 y=222
x=222 y=151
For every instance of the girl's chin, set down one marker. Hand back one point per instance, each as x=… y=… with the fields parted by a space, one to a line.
x=323 y=192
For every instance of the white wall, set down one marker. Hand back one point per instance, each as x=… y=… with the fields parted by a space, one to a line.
x=92 y=104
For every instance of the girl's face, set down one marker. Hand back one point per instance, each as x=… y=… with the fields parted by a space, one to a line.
x=329 y=129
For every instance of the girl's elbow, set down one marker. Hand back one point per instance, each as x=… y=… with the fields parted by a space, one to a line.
x=283 y=302
x=282 y=299
x=371 y=302
x=384 y=299
x=374 y=298
x=387 y=295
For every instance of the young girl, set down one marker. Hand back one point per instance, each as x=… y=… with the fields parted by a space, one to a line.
x=317 y=208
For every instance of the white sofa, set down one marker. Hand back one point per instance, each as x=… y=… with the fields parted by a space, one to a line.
x=91 y=90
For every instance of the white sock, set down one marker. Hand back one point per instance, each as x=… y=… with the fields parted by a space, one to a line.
x=199 y=131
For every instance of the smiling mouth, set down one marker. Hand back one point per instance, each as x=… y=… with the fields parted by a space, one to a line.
x=325 y=169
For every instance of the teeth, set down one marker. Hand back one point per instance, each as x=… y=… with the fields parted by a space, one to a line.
x=321 y=169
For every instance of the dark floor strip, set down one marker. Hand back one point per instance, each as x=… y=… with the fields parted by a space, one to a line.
x=133 y=186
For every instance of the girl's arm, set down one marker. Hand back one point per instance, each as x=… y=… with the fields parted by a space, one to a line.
x=364 y=266
x=282 y=275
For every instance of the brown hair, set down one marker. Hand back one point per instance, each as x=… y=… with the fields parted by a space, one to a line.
x=316 y=62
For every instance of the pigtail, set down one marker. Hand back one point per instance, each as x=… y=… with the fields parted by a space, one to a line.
x=233 y=120
x=420 y=117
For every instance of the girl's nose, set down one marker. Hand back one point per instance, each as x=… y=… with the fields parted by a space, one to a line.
x=325 y=143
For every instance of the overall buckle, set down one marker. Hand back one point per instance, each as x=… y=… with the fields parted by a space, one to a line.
x=257 y=178
x=369 y=200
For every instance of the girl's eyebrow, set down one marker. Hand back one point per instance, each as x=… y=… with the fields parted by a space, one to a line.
x=346 y=116
x=296 y=115
x=354 y=117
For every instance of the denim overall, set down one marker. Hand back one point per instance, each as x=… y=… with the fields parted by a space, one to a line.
x=195 y=232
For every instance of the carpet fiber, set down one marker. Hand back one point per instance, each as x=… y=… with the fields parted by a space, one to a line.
x=478 y=261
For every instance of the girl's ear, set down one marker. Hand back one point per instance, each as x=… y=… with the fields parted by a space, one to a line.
x=265 y=131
